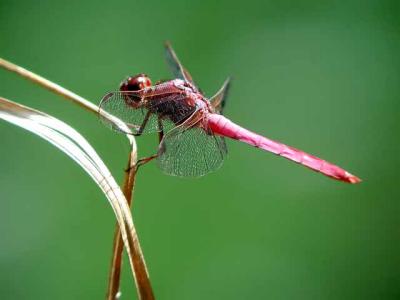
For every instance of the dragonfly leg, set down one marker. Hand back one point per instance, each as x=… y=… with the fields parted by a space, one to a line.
x=145 y=160
x=142 y=162
x=141 y=128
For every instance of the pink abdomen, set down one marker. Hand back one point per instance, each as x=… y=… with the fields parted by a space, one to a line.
x=223 y=126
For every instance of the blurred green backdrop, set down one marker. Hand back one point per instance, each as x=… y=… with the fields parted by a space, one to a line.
x=319 y=75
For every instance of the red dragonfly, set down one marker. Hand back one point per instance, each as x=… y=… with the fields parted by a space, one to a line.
x=193 y=144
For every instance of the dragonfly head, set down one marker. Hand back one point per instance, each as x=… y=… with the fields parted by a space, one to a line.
x=135 y=83
x=132 y=84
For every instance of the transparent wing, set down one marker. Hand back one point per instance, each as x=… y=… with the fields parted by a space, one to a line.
x=218 y=101
x=144 y=115
x=175 y=65
x=191 y=150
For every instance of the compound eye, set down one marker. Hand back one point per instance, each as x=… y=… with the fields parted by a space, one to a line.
x=132 y=84
x=135 y=83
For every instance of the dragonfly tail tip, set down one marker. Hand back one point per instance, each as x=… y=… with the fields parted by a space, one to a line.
x=352 y=178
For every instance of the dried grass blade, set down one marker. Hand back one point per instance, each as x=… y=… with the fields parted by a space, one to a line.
x=75 y=146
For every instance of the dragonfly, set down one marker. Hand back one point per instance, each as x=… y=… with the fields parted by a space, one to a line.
x=191 y=127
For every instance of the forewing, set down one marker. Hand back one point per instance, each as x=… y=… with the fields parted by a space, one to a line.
x=175 y=65
x=144 y=115
x=218 y=101
x=191 y=150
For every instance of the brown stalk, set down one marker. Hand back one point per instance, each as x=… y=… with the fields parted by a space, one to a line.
x=116 y=262
x=141 y=277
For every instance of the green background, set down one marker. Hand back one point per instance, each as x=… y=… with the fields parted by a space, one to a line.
x=322 y=76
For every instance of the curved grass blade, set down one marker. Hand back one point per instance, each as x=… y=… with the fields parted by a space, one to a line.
x=75 y=146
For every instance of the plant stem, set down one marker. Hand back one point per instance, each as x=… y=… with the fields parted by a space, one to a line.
x=141 y=277
x=115 y=269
